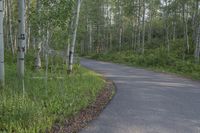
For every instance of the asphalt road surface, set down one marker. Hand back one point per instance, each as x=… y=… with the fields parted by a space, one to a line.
x=147 y=102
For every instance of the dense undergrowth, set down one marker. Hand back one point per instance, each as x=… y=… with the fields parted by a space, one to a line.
x=156 y=59
x=43 y=104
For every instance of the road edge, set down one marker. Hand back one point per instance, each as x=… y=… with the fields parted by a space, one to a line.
x=90 y=113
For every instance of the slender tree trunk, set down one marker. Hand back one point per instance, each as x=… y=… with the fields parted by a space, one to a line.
x=6 y=22
x=133 y=27
x=167 y=37
x=143 y=27
x=110 y=30
x=120 y=38
x=174 y=24
x=10 y=27
x=68 y=51
x=139 y=31
x=166 y=28
x=151 y=10
x=2 y=73
x=197 y=49
x=195 y=20
x=98 y=42
x=174 y=31
x=21 y=37
x=186 y=31
x=196 y=32
x=15 y=41
x=71 y=57
x=28 y=28
x=90 y=37
x=120 y=24
x=38 y=62
x=135 y=39
x=150 y=27
x=6 y=25
x=132 y=36
x=185 y=23
x=108 y=25
x=14 y=30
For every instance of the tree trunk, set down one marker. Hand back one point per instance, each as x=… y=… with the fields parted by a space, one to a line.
x=110 y=30
x=71 y=55
x=139 y=31
x=90 y=40
x=2 y=73
x=166 y=28
x=143 y=27
x=28 y=28
x=120 y=24
x=195 y=20
x=68 y=51
x=10 y=27
x=186 y=46
x=38 y=63
x=186 y=31
x=150 y=28
x=21 y=37
x=174 y=31
x=5 y=26
x=197 y=49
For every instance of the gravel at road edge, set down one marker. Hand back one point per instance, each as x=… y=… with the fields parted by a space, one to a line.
x=80 y=121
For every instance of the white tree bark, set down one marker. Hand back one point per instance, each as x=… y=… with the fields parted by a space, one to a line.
x=2 y=73
x=68 y=51
x=90 y=38
x=10 y=26
x=38 y=63
x=120 y=25
x=28 y=28
x=143 y=27
x=139 y=23
x=71 y=54
x=21 y=37
x=174 y=31
x=197 y=49
x=186 y=31
x=166 y=16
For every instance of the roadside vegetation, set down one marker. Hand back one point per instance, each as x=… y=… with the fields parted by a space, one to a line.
x=155 y=60
x=41 y=80
x=40 y=104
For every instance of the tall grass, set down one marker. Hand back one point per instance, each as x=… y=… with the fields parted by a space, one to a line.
x=41 y=105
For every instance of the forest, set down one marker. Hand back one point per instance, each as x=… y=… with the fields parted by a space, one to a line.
x=41 y=42
x=158 y=34
x=38 y=86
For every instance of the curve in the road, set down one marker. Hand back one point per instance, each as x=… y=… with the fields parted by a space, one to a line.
x=147 y=102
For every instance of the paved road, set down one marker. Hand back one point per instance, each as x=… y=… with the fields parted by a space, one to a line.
x=147 y=102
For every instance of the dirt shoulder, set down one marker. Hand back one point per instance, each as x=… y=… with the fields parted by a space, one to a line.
x=81 y=120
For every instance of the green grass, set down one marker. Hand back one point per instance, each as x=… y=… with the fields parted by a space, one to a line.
x=156 y=59
x=43 y=105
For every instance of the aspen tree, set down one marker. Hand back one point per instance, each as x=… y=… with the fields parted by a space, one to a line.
x=38 y=62
x=143 y=26
x=28 y=27
x=139 y=22
x=10 y=26
x=2 y=73
x=166 y=16
x=21 y=37
x=72 y=49
x=120 y=23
